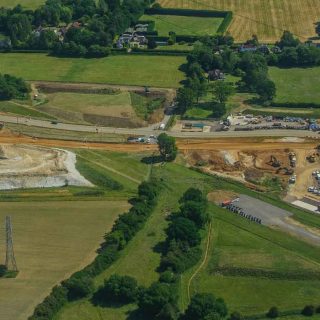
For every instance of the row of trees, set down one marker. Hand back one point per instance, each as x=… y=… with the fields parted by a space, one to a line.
x=13 y=87
x=80 y=284
x=159 y=301
x=181 y=249
x=97 y=24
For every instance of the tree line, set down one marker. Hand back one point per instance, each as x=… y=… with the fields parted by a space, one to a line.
x=180 y=251
x=80 y=284
x=88 y=27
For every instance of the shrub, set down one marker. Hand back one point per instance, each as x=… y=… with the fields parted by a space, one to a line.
x=318 y=309
x=273 y=313
x=205 y=305
x=79 y=286
x=308 y=310
x=119 y=289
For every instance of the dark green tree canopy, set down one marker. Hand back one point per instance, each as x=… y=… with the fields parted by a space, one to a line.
x=167 y=147
x=205 y=306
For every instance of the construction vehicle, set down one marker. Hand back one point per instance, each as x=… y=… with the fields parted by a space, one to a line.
x=311 y=158
x=274 y=162
x=292 y=179
x=285 y=170
x=293 y=159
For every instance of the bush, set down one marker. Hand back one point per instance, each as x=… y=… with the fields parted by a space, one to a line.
x=273 y=313
x=13 y=87
x=79 y=286
x=119 y=289
x=308 y=311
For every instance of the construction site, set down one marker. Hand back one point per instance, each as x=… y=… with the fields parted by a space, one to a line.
x=290 y=165
x=25 y=166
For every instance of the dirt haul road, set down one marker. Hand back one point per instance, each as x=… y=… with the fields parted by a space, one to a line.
x=183 y=144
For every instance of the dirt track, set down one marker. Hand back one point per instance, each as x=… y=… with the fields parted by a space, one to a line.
x=183 y=144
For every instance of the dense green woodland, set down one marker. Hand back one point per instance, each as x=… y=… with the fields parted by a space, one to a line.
x=88 y=27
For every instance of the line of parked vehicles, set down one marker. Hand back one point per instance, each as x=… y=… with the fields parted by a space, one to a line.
x=152 y=139
x=315 y=189
x=239 y=211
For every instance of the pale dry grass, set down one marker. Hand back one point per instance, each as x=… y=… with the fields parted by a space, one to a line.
x=266 y=18
x=51 y=241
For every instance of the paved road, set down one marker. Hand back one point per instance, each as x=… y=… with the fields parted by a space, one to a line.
x=152 y=130
x=276 y=217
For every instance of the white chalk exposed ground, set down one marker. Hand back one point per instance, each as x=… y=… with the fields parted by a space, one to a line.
x=23 y=166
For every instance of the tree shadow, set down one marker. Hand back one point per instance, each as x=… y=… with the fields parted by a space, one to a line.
x=98 y=300
x=152 y=159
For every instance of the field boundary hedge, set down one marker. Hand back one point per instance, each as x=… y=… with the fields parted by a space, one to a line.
x=296 y=105
x=226 y=15
x=268 y=274
x=80 y=284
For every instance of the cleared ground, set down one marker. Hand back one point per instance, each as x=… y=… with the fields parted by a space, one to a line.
x=51 y=240
x=35 y=167
x=296 y=84
x=182 y=25
x=122 y=69
x=28 y=4
x=265 y=18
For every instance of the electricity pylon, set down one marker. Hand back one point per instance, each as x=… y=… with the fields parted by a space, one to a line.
x=10 y=259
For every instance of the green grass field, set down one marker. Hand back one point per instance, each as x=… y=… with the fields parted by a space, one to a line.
x=182 y=25
x=265 y=18
x=296 y=84
x=51 y=241
x=240 y=244
x=16 y=108
x=235 y=242
x=122 y=69
x=27 y=4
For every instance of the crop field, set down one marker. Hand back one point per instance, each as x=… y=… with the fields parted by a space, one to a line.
x=122 y=69
x=28 y=4
x=298 y=85
x=182 y=25
x=265 y=18
x=51 y=241
x=240 y=247
x=102 y=109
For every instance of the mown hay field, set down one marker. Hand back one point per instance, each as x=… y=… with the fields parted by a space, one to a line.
x=142 y=70
x=51 y=241
x=27 y=4
x=266 y=18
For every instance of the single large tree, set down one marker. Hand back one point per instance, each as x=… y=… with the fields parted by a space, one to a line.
x=222 y=91
x=167 y=147
x=205 y=306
